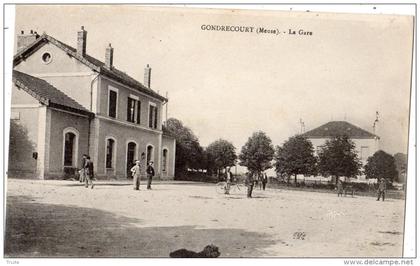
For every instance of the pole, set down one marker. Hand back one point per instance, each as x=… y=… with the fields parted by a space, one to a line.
x=166 y=113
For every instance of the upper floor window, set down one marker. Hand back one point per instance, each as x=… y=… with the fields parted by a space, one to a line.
x=46 y=58
x=133 y=109
x=153 y=116
x=112 y=102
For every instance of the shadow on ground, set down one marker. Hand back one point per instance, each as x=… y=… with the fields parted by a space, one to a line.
x=36 y=229
x=78 y=184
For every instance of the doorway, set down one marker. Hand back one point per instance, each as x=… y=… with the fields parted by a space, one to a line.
x=131 y=157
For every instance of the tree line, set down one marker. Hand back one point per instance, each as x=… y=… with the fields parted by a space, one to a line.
x=296 y=156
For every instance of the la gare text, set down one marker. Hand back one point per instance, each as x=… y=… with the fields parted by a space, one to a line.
x=257 y=30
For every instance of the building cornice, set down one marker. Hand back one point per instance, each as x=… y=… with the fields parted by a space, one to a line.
x=116 y=121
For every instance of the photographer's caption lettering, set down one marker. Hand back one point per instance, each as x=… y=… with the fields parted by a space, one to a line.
x=257 y=30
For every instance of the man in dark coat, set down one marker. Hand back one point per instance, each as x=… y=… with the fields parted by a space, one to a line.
x=249 y=182
x=382 y=189
x=264 y=180
x=150 y=171
x=88 y=172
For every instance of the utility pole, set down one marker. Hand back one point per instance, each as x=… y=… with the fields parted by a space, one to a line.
x=374 y=130
x=302 y=126
x=166 y=108
x=375 y=122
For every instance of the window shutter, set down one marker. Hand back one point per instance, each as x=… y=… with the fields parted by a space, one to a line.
x=156 y=115
x=112 y=104
x=138 y=112
x=128 y=109
x=150 y=116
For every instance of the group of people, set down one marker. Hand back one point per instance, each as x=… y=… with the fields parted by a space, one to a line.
x=137 y=171
x=380 y=192
x=252 y=179
x=86 y=173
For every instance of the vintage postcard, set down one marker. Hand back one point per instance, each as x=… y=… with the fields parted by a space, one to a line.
x=169 y=132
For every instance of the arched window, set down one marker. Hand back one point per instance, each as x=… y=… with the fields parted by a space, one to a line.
x=149 y=156
x=110 y=150
x=131 y=156
x=70 y=147
x=164 y=159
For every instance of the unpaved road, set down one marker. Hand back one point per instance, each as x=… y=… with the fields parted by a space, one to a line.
x=63 y=219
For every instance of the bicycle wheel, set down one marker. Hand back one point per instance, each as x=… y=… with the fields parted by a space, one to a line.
x=240 y=187
x=220 y=187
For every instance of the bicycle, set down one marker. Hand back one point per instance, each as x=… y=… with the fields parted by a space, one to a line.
x=234 y=187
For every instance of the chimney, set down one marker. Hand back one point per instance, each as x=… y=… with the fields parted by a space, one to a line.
x=109 y=56
x=24 y=40
x=147 y=75
x=81 y=42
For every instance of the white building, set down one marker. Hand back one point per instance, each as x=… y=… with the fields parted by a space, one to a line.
x=366 y=143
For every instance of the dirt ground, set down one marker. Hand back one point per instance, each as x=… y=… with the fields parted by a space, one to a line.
x=64 y=219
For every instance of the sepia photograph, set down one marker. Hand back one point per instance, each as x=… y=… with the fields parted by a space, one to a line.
x=195 y=132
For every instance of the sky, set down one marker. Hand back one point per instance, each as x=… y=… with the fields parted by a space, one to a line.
x=230 y=84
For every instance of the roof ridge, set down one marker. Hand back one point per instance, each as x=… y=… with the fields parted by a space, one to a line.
x=337 y=129
x=98 y=65
x=46 y=100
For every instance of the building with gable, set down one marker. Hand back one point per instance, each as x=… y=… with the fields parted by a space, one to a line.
x=366 y=143
x=66 y=103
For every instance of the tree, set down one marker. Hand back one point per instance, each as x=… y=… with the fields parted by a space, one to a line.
x=401 y=165
x=338 y=157
x=295 y=157
x=221 y=153
x=257 y=153
x=381 y=164
x=21 y=148
x=188 y=150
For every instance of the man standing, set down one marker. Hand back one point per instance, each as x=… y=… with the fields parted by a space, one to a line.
x=249 y=182
x=381 y=189
x=82 y=173
x=150 y=174
x=339 y=187
x=264 y=180
x=228 y=181
x=136 y=173
x=88 y=172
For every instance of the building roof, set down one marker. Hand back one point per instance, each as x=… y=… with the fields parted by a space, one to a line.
x=89 y=61
x=47 y=93
x=339 y=128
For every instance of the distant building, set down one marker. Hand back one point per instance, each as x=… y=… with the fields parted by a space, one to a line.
x=366 y=143
x=66 y=103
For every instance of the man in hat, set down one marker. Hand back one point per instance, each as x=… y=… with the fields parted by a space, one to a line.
x=381 y=189
x=150 y=171
x=340 y=188
x=249 y=182
x=88 y=172
x=136 y=173
x=228 y=180
x=82 y=173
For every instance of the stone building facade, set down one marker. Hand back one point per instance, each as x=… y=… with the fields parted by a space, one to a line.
x=66 y=103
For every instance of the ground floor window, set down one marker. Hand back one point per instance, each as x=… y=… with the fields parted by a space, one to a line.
x=164 y=159
x=149 y=156
x=110 y=147
x=131 y=156
x=70 y=139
